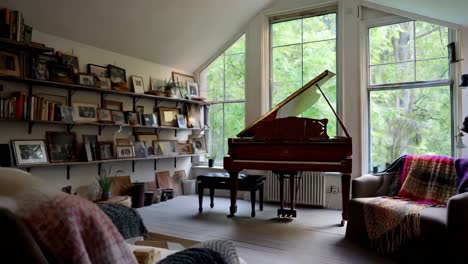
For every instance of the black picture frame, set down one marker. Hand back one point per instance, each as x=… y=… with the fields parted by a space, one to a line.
x=61 y=146
x=40 y=64
x=116 y=74
x=70 y=60
x=98 y=71
x=106 y=150
x=150 y=120
x=86 y=79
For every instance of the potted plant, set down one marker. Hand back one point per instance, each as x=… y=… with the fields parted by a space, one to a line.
x=104 y=182
x=211 y=158
x=169 y=88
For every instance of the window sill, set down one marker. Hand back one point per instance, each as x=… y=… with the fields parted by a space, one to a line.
x=205 y=166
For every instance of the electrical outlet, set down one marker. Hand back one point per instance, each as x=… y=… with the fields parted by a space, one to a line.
x=334 y=189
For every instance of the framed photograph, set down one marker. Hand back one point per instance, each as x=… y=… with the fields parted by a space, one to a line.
x=40 y=69
x=59 y=72
x=181 y=79
x=184 y=148
x=140 y=150
x=66 y=113
x=193 y=89
x=148 y=140
x=69 y=60
x=181 y=122
x=113 y=105
x=9 y=64
x=198 y=143
x=86 y=79
x=29 y=151
x=116 y=74
x=104 y=115
x=90 y=143
x=140 y=110
x=168 y=116
x=106 y=150
x=125 y=151
x=61 y=146
x=168 y=148
x=131 y=118
x=157 y=148
x=138 y=86
x=193 y=115
x=84 y=112
x=150 y=120
x=104 y=83
x=118 y=117
x=98 y=71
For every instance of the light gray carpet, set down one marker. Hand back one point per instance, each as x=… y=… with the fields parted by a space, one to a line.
x=313 y=237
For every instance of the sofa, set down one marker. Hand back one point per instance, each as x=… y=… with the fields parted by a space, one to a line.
x=444 y=230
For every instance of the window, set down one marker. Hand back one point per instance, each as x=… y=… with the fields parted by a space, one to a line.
x=409 y=92
x=301 y=49
x=225 y=81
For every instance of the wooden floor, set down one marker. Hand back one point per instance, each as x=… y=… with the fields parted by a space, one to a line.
x=313 y=237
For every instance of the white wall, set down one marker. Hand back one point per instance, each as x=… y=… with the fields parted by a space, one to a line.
x=85 y=174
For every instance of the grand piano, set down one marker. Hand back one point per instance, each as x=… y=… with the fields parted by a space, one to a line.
x=286 y=144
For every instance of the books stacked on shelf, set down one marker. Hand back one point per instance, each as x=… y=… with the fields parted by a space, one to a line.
x=14 y=107
x=12 y=26
x=20 y=107
x=45 y=110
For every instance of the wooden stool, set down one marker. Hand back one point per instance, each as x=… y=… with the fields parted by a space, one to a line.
x=213 y=181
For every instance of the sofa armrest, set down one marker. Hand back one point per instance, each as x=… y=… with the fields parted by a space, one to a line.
x=457 y=217
x=366 y=186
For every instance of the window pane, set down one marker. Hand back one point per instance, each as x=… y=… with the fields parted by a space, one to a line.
x=216 y=132
x=409 y=121
x=392 y=73
x=287 y=70
x=281 y=90
x=319 y=56
x=431 y=70
x=215 y=81
x=392 y=43
x=234 y=121
x=319 y=28
x=235 y=77
x=237 y=47
x=286 y=33
x=431 y=41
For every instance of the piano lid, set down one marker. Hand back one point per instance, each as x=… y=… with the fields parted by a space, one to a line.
x=296 y=104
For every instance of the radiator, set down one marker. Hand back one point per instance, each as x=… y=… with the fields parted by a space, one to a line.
x=311 y=189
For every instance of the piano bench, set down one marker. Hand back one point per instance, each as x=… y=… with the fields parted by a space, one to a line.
x=216 y=180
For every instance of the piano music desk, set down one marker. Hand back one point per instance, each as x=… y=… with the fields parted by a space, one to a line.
x=214 y=180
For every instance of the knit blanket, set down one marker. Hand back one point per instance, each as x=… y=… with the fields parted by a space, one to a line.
x=426 y=181
x=127 y=220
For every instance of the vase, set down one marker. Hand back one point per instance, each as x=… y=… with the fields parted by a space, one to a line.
x=210 y=163
x=106 y=195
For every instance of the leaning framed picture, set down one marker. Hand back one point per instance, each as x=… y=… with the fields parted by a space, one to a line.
x=150 y=120
x=193 y=89
x=138 y=86
x=29 y=152
x=104 y=115
x=198 y=143
x=168 y=116
x=90 y=143
x=116 y=74
x=181 y=79
x=98 y=71
x=9 y=64
x=70 y=60
x=184 y=148
x=85 y=112
x=118 y=117
x=140 y=150
x=86 y=79
x=168 y=148
x=125 y=151
x=181 y=121
x=106 y=150
x=61 y=146
x=148 y=139
x=193 y=115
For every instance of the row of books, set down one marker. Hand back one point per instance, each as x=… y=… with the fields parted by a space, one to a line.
x=20 y=107
x=12 y=26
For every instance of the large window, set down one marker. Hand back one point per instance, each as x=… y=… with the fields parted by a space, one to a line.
x=409 y=91
x=225 y=80
x=301 y=49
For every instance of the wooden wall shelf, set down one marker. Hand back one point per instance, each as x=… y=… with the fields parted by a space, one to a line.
x=11 y=44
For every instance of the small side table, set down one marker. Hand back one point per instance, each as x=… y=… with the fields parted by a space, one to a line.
x=122 y=200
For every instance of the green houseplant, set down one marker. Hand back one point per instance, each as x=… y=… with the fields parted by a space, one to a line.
x=104 y=182
x=169 y=88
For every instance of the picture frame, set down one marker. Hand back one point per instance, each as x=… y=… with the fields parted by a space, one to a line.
x=156 y=87
x=70 y=60
x=116 y=74
x=157 y=148
x=85 y=112
x=140 y=150
x=40 y=64
x=148 y=139
x=181 y=121
x=30 y=152
x=181 y=78
x=193 y=115
x=104 y=115
x=169 y=147
x=66 y=113
x=150 y=120
x=86 y=80
x=104 y=83
x=184 y=148
x=59 y=72
x=118 y=117
x=193 y=89
x=131 y=118
x=198 y=142
x=140 y=110
x=9 y=64
x=113 y=105
x=90 y=143
x=168 y=116
x=126 y=151
x=106 y=150
x=138 y=85
x=98 y=71
x=61 y=146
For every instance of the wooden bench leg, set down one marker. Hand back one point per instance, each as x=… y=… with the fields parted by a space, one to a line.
x=252 y=199
x=261 y=197
x=200 y=197
x=212 y=190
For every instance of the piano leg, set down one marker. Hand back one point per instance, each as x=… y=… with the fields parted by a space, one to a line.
x=345 y=185
x=292 y=193
x=281 y=186
x=233 y=182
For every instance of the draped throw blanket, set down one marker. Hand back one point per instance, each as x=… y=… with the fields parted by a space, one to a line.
x=426 y=181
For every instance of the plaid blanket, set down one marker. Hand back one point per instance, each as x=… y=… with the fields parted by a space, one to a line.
x=426 y=181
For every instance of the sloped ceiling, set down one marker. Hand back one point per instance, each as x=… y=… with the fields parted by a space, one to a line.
x=179 y=33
